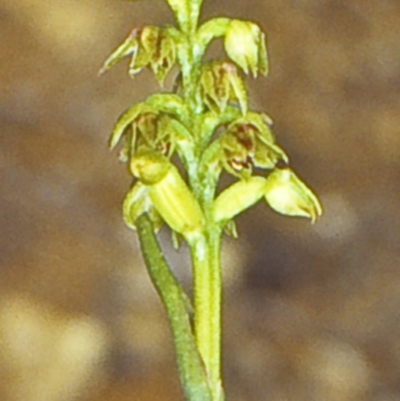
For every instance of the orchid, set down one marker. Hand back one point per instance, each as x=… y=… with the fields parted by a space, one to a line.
x=203 y=122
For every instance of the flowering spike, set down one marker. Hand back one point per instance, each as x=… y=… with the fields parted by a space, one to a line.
x=207 y=122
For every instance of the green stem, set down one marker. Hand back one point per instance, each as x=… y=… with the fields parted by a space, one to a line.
x=205 y=248
x=191 y=368
x=207 y=304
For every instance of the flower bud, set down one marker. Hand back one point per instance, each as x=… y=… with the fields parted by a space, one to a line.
x=245 y=45
x=288 y=195
x=238 y=197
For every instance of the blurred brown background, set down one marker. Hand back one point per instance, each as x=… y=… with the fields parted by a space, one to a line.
x=311 y=312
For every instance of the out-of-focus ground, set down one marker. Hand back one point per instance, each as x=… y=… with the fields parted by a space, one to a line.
x=311 y=312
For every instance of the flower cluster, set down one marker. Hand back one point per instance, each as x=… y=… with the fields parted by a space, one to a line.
x=221 y=134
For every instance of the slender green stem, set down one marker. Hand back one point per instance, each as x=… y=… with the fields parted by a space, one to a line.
x=207 y=304
x=193 y=375
x=205 y=248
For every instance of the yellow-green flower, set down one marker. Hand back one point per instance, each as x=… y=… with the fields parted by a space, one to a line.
x=245 y=45
x=288 y=195
x=150 y=46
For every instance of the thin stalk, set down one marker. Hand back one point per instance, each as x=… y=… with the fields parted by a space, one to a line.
x=191 y=368
x=207 y=304
x=205 y=248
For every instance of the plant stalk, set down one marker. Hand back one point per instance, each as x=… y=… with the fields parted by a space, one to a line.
x=191 y=368
x=205 y=248
x=207 y=304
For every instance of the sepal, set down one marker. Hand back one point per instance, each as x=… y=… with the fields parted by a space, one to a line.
x=210 y=121
x=177 y=135
x=221 y=84
x=129 y=46
x=164 y=102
